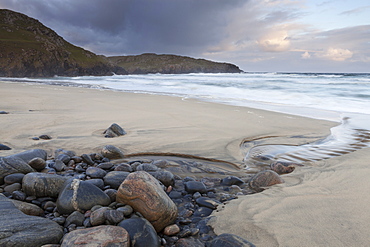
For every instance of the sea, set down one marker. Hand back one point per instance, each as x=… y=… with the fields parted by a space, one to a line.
x=339 y=97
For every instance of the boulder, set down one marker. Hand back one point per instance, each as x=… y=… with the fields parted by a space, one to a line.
x=141 y=232
x=10 y=165
x=230 y=240
x=112 y=152
x=19 y=229
x=145 y=195
x=98 y=236
x=264 y=179
x=30 y=154
x=28 y=208
x=113 y=131
x=80 y=196
x=43 y=184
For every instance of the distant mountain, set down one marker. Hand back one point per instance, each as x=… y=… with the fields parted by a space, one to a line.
x=30 y=49
x=170 y=64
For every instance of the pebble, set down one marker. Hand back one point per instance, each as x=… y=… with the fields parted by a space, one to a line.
x=37 y=163
x=195 y=186
x=13 y=178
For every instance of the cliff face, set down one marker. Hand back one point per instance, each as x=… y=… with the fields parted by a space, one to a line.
x=170 y=64
x=29 y=49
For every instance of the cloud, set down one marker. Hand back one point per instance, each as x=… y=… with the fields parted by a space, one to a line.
x=275 y=42
x=337 y=54
x=306 y=55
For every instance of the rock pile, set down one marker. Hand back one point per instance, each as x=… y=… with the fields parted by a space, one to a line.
x=94 y=199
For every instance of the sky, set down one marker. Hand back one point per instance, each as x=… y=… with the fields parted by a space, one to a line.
x=256 y=35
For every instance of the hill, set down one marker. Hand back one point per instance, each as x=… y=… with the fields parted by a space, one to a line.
x=170 y=64
x=30 y=49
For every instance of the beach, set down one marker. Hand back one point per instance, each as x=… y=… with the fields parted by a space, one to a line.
x=321 y=204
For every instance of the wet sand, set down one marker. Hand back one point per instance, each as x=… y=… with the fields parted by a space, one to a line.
x=322 y=204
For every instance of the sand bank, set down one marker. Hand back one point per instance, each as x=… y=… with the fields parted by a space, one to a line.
x=324 y=204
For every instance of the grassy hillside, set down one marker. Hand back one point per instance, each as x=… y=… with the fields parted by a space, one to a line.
x=28 y=48
x=170 y=64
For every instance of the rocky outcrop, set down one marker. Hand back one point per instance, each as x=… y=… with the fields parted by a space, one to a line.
x=150 y=63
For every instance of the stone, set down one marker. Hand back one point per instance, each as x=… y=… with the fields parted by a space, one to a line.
x=189 y=242
x=10 y=165
x=231 y=180
x=95 y=172
x=114 y=131
x=97 y=182
x=43 y=184
x=65 y=158
x=203 y=212
x=12 y=187
x=112 y=152
x=113 y=216
x=28 y=208
x=127 y=210
x=98 y=236
x=165 y=177
x=264 y=179
x=230 y=240
x=111 y=193
x=195 y=186
x=4 y=147
x=4 y=112
x=14 y=178
x=76 y=218
x=37 y=163
x=141 y=232
x=207 y=202
x=105 y=165
x=26 y=156
x=45 y=137
x=19 y=195
x=87 y=159
x=97 y=217
x=115 y=178
x=80 y=196
x=19 y=229
x=147 y=167
x=283 y=167
x=59 y=165
x=145 y=195
x=171 y=230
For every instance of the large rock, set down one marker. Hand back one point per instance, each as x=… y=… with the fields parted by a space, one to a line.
x=19 y=229
x=264 y=179
x=230 y=240
x=28 y=208
x=144 y=194
x=141 y=232
x=112 y=152
x=43 y=184
x=99 y=236
x=10 y=165
x=80 y=196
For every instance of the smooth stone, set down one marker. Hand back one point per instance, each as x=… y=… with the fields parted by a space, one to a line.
x=127 y=210
x=37 y=163
x=26 y=156
x=97 y=217
x=283 y=167
x=76 y=218
x=203 y=212
x=124 y=168
x=64 y=158
x=97 y=182
x=4 y=112
x=145 y=195
x=171 y=230
x=112 y=152
x=113 y=216
x=19 y=195
x=28 y=208
x=43 y=184
x=4 y=147
x=231 y=180
x=207 y=202
x=141 y=232
x=115 y=178
x=59 y=165
x=10 y=165
x=19 y=229
x=264 y=179
x=111 y=193
x=12 y=187
x=14 y=178
x=45 y=137
x=95 y=172
x=98 y=236
x=195 y=186
x=230 y=240
x=105 y=165
x=189 y=242
x=79 y=195
x=87 y=159
x=147 y=167
x=165 y=177
x=114 y=131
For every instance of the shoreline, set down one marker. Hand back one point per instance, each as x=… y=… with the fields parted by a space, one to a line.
x=76 y=117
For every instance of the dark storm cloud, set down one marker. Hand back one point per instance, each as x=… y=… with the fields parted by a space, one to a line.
x=134 y=26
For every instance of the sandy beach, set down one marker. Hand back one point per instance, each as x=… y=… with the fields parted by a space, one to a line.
x=322 y=204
